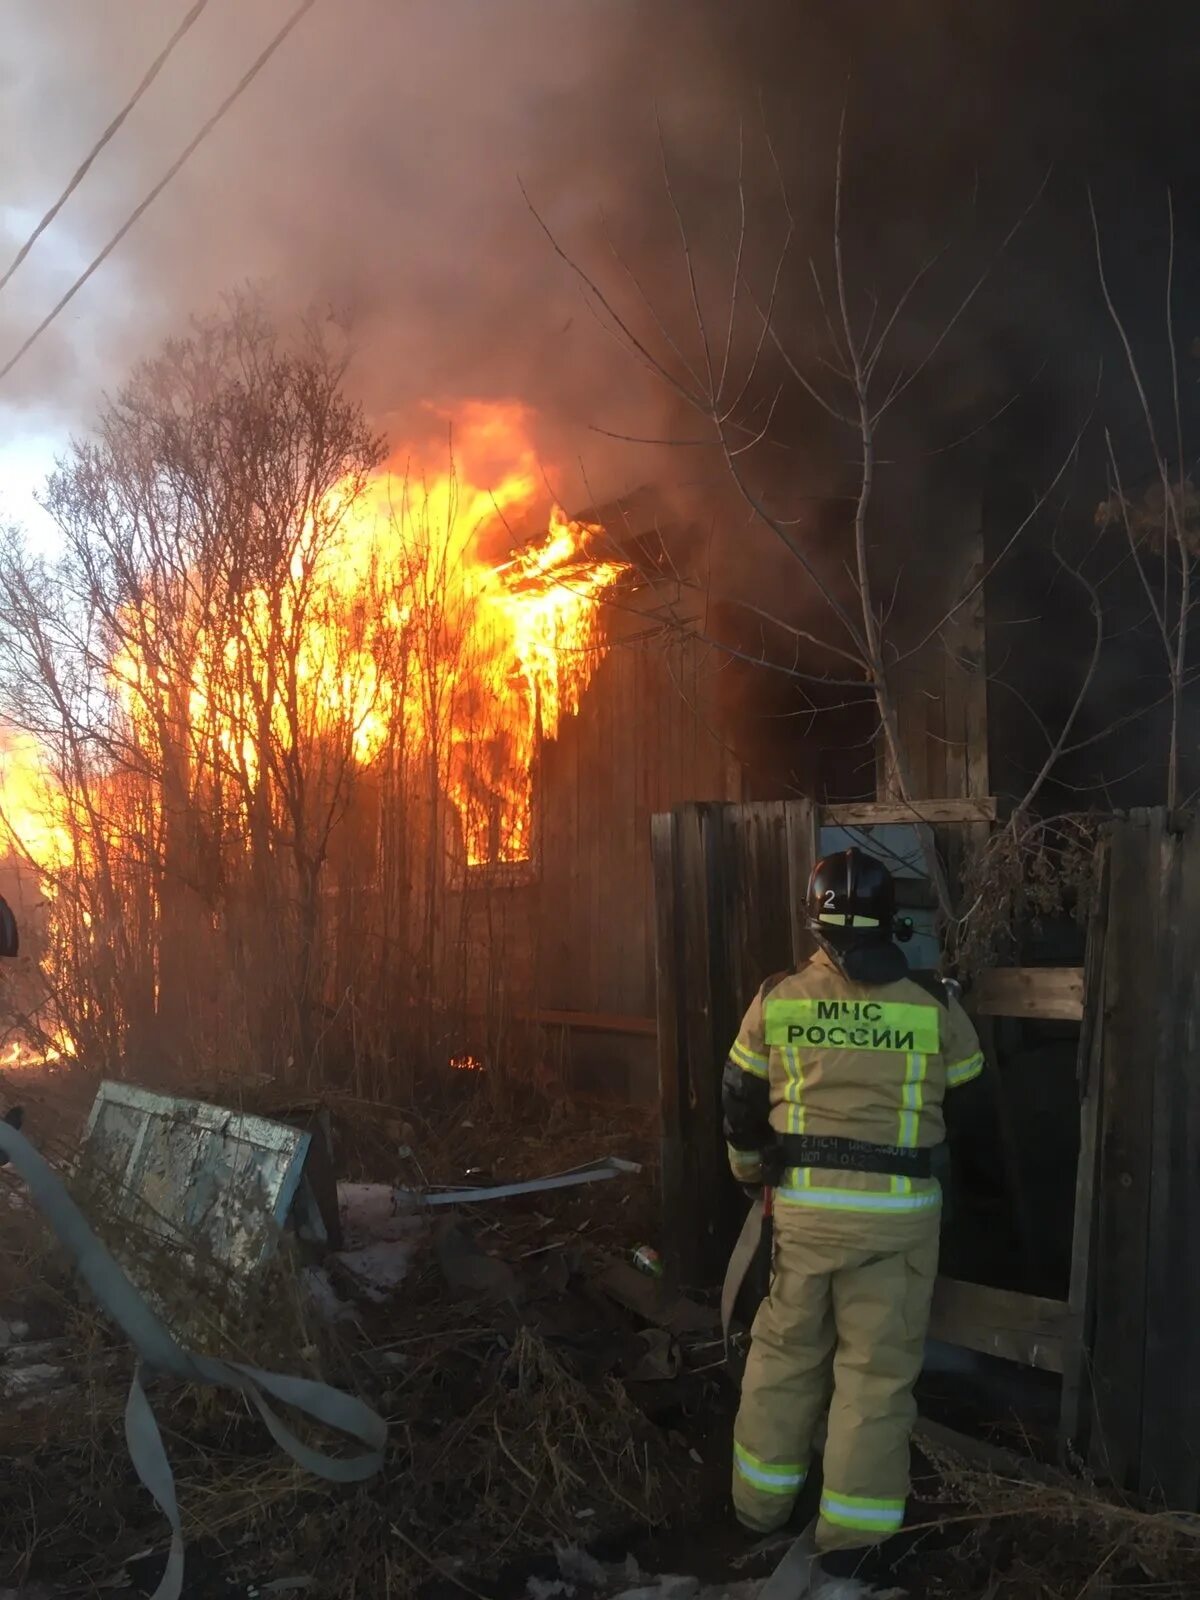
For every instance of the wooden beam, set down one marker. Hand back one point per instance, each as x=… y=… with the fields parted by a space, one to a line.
x=1049 y=993
x=1171 y=1397
x=998 y=1322
x=982 y=1453
x=1076 y=1410
x=870 y=813
x=1137 y=956
x=593 y=1022
x=655 y=1301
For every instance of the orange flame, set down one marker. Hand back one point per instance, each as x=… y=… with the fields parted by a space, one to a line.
x=466 y=1063
x=414 y=612
x=33 y=815
x=20 y=1055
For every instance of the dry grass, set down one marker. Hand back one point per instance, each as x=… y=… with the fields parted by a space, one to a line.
x=500 y=1441
x=505 y=1437
x=1029 y=872
x=1058 y=1538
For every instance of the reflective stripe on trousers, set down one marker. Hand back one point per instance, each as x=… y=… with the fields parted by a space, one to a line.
x=843 y=1331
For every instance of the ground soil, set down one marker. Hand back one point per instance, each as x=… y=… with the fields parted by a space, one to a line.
x=519 y=1418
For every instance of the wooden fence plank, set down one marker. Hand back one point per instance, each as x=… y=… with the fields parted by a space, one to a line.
x=756 y=889
x=997 y=1322
x=697 y=1248
x=1170 y=1444
x=1076 y=1408
x=801 y=828
x=1132 y=964
x=1046 y=992
x=700 y=1220
x=676 y=1189
x=728 y=925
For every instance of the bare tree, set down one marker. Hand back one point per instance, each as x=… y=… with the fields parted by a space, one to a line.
x=1162 y=525
x=183 y=617
x=269 y=708
x=732 y=368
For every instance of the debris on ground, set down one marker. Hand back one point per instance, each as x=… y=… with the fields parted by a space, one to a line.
x=543 y=1395
x=477 y=1332
x=582 y=1577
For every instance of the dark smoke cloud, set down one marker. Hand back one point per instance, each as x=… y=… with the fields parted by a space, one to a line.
x=373 y=169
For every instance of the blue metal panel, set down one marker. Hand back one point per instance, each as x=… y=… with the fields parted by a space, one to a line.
x=200 y=1176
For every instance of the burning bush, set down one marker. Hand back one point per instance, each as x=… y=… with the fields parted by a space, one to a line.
x=284 y=694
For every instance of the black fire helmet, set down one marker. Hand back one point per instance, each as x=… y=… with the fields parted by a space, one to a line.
x=852 y=899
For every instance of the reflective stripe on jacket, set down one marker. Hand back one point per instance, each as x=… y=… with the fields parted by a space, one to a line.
x=847 y=1060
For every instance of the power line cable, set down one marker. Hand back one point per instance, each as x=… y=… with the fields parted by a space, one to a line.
x=251 y=73
x=81 y=172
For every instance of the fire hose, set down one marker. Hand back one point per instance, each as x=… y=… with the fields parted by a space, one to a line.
x=749 y=1243
x=158 y=1351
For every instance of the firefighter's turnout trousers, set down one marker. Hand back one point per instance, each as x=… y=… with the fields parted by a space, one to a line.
x=843 y=1326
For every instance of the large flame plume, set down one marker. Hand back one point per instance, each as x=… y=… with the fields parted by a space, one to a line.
x=420 y=618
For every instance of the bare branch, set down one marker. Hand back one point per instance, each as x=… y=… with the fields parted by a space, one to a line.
x=1055 y=753
x=686 y=246
x=948 y=327
x=594 y=290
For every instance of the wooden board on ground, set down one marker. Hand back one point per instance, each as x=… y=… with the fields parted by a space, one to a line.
x=654 y=1301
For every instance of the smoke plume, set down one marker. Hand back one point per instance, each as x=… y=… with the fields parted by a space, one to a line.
x=374 y=172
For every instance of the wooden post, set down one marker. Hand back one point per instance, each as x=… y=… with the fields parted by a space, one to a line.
x=1075 y=1413
x=1135 y=1292
x=1132 y=971
x=698 y=1214
x=801 y=858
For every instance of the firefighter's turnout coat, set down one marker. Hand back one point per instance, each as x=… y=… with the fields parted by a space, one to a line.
x=856 y=1251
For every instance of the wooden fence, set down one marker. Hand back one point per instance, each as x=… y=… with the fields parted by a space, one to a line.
x=1135 y=1402
x=729 y=884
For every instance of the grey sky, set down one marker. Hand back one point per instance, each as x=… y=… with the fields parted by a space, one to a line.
x=372 y=166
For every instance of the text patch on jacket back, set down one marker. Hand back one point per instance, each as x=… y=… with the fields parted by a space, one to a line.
x=851 y=1025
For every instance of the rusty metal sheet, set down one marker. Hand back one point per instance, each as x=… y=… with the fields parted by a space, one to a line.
x=196 y=1175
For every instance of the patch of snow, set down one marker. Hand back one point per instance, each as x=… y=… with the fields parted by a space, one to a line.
x=378 y=1269
x=16 y=1382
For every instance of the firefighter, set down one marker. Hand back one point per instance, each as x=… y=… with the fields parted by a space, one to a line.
x=832 y=1096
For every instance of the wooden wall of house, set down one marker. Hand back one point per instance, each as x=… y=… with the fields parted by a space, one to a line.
x=940 y=687
x=577 y=936
x=642 y=743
